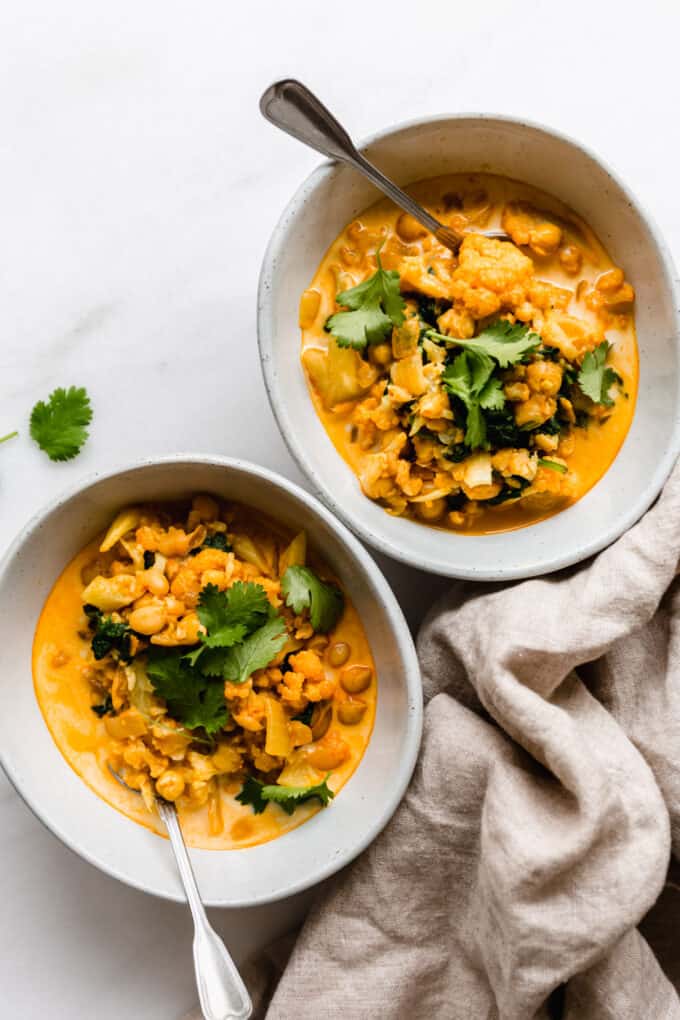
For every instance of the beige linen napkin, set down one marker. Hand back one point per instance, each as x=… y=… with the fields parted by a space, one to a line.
x=535 y=834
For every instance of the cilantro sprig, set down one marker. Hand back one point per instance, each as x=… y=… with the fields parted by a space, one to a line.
x=194 y=700
x=470 y=378
x=59 y=425
x=257 y=795
x=596 y=378
x=243 y=633
x=304 y=590
x=505 y=342
x=373 y=308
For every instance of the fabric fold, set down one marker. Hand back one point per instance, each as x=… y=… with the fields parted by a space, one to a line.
x=536 y=832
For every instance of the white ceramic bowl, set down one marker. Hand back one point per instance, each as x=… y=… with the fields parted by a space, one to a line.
x=334 y=194
x=99 y=833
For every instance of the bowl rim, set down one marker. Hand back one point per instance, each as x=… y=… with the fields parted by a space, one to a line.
x=265 y=337
x=413 y=723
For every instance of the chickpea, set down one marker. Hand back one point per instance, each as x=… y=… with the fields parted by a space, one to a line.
x=338 y=654
x=409 y=229
x=205 y=507
x=571 y=259
x=170 y=785
x=329 y=753
x=356 y=679
x=156 y=581
x=321 y=720
x=431 y=509
x=380 y=354
x=545 y=238
x=610 y=281
x=148 y=619
x=309 y=308
x=352 y=711
x=544 y=377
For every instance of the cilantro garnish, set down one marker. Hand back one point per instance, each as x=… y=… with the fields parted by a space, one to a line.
x=375 y=306
x=192 y=699
x=553 y=465
x=595 y=378
x=228 y=616
x=257 y=795
x=470 y=379
x=59 y=426
x=505 y=342
x=257 y=651
x=304 y=590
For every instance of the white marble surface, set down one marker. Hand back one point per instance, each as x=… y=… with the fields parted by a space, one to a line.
x=139 y=188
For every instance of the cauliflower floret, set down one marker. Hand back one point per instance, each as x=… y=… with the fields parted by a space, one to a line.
x=458 y=323
x=515 y=464
x=491 y=275
x=572 y=336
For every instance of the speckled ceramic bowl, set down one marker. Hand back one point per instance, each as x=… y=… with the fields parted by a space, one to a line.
x=334 y=194
x=108 y=839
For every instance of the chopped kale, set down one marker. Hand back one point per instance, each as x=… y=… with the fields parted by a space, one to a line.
x=105 y=708
x=457 y=452
x=110 y=636
x=509 y=492
x=149 y=559
x=217 y=541
x=456 y=501
x=502 y=430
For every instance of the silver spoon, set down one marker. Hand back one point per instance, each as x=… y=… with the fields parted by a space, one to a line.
x=292 y=107
x=221 y=992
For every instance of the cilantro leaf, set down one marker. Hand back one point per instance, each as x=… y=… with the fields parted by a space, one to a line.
x=228 y=616
x=251 y=794
x=59 y=426
x=257 y=651
x=554 y=465
x=469 y=377
x=304 y=590
x=595 y=379
x=374 y=307
x=192 y=699
x=505 y=342
x=287 y=797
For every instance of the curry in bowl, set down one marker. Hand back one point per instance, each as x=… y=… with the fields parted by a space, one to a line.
x=480 y=392
x=197 y=650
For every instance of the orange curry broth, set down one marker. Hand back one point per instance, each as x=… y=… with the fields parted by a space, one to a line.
x=65 y=699
x=596 y=447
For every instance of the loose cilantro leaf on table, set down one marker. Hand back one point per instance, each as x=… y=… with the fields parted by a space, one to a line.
x=10 y=435
x=192 y=699
x=374 y=307
x=470 y=378
x=257 y=795
x=59 y=426
x=595 y=378
x=505 y=342
x=304 y=590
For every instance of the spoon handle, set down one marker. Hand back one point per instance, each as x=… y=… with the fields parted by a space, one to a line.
x=221 y=992
x=292 y=107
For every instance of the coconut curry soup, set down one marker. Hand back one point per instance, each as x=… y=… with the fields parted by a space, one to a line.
x=196 y=650
x=479 y=392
